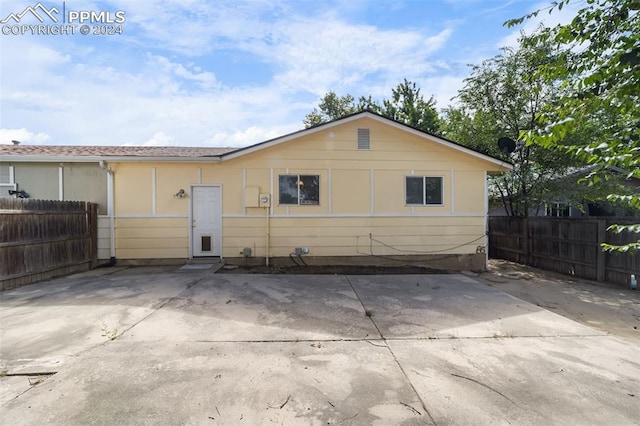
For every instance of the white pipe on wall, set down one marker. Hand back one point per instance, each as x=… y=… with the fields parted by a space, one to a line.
x=268 y=234
x=61 y=182
x=110 y=209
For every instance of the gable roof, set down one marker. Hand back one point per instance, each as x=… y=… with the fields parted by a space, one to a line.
x=45 y=153
x=377 y=117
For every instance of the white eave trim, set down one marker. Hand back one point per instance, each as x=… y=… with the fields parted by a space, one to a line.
x=110 y=159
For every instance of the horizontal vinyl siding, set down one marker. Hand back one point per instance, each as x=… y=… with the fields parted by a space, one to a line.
x=152 y=238
x=308 y=160
x=156 y=232
x=339 y=236
x=104 y=240
x=152 y=253
x=337 y=148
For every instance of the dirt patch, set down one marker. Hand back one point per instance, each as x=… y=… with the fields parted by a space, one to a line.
x=330 y=270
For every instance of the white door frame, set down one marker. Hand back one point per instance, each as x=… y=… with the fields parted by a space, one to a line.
x=190 y=224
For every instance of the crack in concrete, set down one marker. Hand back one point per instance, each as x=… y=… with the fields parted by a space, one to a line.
x=394 y=339
x=40 y=378
x=156 y=308
x=34 y=374
x=485 y=386
x=393 y=355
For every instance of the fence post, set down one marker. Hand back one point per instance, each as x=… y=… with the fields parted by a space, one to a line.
x=92 y=210
x=601 y=267
x=525 y=240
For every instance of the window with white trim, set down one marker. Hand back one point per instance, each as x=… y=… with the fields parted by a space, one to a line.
x=5 y=174
x=423 y=190
x=299 y=190
x=557 y=210
x=7 y=182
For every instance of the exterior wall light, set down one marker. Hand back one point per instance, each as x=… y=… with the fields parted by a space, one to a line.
x=180 y=194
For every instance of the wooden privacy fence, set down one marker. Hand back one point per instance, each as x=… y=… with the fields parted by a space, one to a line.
x=566 y=245
x=40 y=239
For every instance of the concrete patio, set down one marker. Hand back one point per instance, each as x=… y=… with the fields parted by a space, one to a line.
x=167 y=346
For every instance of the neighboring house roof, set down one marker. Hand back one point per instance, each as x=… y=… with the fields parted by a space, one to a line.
x=81 y=153
x=44 y=153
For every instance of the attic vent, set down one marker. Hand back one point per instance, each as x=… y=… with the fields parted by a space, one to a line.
x=363 y=139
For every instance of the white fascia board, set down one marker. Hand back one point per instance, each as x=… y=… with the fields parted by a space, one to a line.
x=107 y=159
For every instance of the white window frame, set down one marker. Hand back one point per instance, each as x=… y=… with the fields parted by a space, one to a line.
x=424 y=186
x=9 y=185
x=297 y=176
x=557 y=207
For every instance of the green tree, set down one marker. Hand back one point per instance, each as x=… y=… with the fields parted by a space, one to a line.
x=474 y=129
x=601 y=84
x=331 y=107
x=503 y=98
x=406 y=105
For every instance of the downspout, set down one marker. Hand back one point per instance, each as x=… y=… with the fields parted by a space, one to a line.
x=267 y=209
x=110 y=212
x=486 y=221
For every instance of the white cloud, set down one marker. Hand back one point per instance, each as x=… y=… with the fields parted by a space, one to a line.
x=444 y=88
x=160 y=139
x=193 y=28
x=27 y=61
x=318 y=55
x=36 y=101
x=313 y=52
x=158 y=84
x=205 y=80
x=250 y=135
x=23 y=136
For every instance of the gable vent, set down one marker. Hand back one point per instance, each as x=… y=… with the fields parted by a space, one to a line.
x=364 y=142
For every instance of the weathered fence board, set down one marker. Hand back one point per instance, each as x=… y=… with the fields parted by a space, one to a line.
x=566 y=245
x=40 y=239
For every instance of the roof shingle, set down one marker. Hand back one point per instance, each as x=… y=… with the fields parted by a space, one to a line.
x=112 y=151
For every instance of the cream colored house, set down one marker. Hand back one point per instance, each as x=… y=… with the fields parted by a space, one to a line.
x=363 y=189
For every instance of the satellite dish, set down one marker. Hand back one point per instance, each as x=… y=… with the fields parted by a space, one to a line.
x=506 y=145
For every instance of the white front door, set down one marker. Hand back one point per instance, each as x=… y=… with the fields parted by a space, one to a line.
x=206 y=221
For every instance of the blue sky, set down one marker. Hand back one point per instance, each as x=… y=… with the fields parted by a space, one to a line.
x=232 y=73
